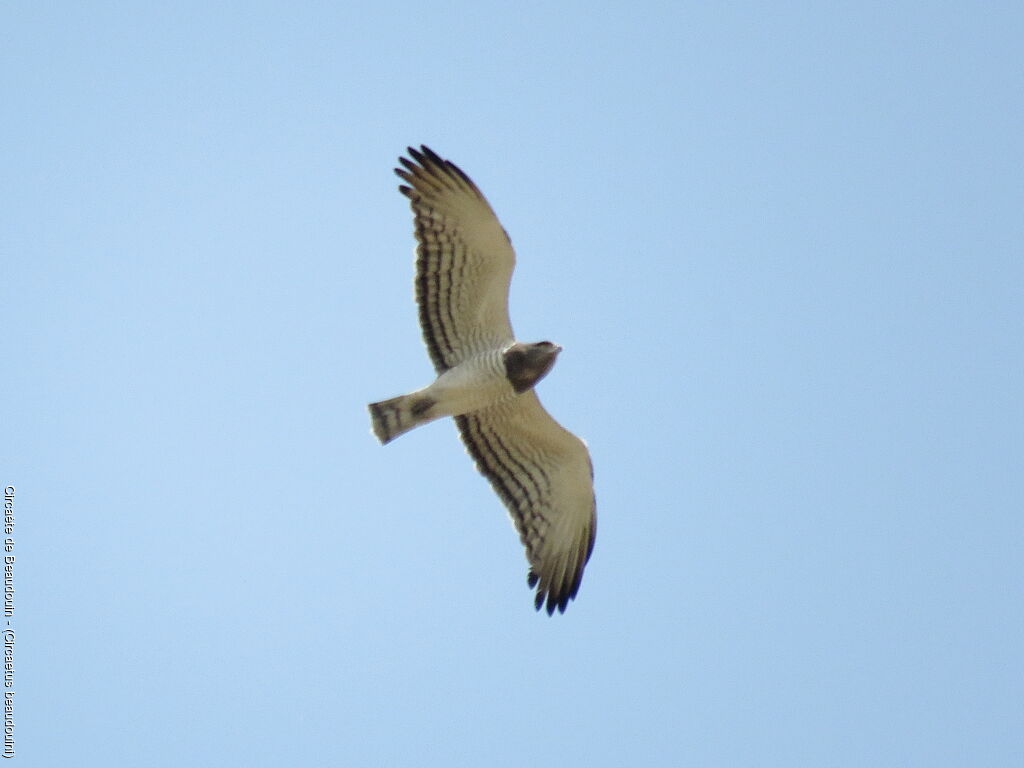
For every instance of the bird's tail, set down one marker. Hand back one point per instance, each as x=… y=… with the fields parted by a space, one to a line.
x=398 y=415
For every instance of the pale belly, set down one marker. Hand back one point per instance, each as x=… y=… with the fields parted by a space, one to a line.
x=471 y=385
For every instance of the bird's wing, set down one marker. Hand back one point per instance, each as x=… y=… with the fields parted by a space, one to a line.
x=464 y=261
x=543 y=474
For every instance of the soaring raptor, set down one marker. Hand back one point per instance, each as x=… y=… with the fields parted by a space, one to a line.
x=485 y=378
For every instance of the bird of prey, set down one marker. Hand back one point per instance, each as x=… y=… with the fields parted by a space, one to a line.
x=485 y=378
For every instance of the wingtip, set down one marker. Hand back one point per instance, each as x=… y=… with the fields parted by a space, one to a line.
x=431 y=155
x=552 y=604
x=425 y=162
x=549 y=600
x=415 y=154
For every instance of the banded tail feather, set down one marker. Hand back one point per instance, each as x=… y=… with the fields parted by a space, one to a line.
x=398 y=415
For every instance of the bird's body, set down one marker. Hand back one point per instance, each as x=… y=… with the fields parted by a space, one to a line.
x=473 y=384
x=485 y=378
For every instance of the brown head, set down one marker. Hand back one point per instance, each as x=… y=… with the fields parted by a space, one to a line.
x=526 y=364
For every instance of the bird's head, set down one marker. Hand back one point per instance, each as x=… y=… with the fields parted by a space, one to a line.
x=526 y=364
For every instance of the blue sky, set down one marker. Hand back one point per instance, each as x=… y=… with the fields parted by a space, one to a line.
x=783 y=247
